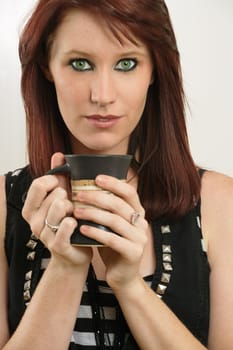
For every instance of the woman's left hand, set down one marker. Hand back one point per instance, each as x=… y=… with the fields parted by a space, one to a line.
x=128 y=238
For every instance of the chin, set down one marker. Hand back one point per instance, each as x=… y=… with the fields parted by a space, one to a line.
x=103 y=149
x=101 y=145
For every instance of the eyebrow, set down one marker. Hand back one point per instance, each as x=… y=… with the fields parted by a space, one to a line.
x=130 y=53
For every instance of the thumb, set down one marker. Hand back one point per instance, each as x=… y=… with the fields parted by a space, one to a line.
x=57 y=160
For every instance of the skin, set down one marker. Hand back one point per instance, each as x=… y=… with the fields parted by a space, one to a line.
x=129 y=255
x=88 y=85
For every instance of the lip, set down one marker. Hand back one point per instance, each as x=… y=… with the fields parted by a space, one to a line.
x=103 y=121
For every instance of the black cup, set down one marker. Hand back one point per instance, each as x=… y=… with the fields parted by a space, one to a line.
x=82 y=170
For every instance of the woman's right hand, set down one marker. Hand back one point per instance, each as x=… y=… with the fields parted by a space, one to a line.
x=47 y=199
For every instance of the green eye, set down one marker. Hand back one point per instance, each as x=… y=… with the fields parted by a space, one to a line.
x=80 y=65
x=126 y=64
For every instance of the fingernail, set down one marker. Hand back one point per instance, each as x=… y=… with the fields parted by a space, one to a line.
x=101 y=179
x=84 y=228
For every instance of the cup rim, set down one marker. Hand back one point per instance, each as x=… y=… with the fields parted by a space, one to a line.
x=126 y=156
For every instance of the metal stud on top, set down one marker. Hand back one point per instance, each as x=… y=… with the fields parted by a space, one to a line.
x=167 y=267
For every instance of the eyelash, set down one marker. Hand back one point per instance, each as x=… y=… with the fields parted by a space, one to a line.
x=133 y=62
x=79 y=60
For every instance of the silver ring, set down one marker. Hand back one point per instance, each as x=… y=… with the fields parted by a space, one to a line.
x=53 y=228
x=134 y=217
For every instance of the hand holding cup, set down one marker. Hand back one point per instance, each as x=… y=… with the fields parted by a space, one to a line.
x=82 y=170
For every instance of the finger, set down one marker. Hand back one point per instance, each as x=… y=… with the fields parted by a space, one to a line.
x=42 y=186
x=61 y=237
x=36 y=217
x=66 y=229
x=58 y=210
x=119 y=244
x=38 y=191
x=106 y=201
x=115 y=222
x=57 y=160
x=121 y=189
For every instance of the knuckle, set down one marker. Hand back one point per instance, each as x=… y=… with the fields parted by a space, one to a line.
x=37 y=185
x=59 y=206
x=145 y=224
x=112 y=203
x=138 y=251
x=60 y=192
x=130 y=191
x=110 y=240
x=69 y=223
x=142 y=212
x=35 y=225
x=25 y=213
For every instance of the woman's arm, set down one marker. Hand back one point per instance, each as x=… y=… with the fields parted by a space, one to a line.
x=4 y=332
x=154 y=326
x=152 y=323
x=217 y=223
x=49 y=319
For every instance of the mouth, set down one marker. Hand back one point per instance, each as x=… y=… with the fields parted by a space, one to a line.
x=103 y=121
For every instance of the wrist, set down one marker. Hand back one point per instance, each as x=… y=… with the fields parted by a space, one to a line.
x=65 y=267
x=130 y=289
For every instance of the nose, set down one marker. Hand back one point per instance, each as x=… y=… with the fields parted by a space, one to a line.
x=103 y=90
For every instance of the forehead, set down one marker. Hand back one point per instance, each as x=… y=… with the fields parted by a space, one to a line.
x=90 y=29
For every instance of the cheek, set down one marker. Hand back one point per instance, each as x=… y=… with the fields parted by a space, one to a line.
x=63 y=99
x=69 y=95
x=139 y=88
x=138 y=98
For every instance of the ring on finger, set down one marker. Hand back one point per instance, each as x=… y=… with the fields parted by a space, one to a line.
x=134 y=217
x=53 y=228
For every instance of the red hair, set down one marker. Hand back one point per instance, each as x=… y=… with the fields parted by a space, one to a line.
x=169 y=183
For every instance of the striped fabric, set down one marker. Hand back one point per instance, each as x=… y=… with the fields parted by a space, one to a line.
x=83 y=336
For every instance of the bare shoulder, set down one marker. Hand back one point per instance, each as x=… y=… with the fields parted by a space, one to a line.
x=217 y=228
x=217 y=193
x=214 y=180
x=2 y=207
x=217 y=210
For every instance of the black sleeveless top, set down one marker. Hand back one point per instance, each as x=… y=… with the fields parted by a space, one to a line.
x=181 y=278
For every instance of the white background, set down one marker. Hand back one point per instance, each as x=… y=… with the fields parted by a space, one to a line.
x=204 y=30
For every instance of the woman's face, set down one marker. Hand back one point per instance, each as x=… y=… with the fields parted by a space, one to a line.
x=101 y=84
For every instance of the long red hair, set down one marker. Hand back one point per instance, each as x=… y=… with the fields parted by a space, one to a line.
x=169 y=184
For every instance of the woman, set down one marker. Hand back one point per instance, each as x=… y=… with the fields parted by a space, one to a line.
x=103 y=77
